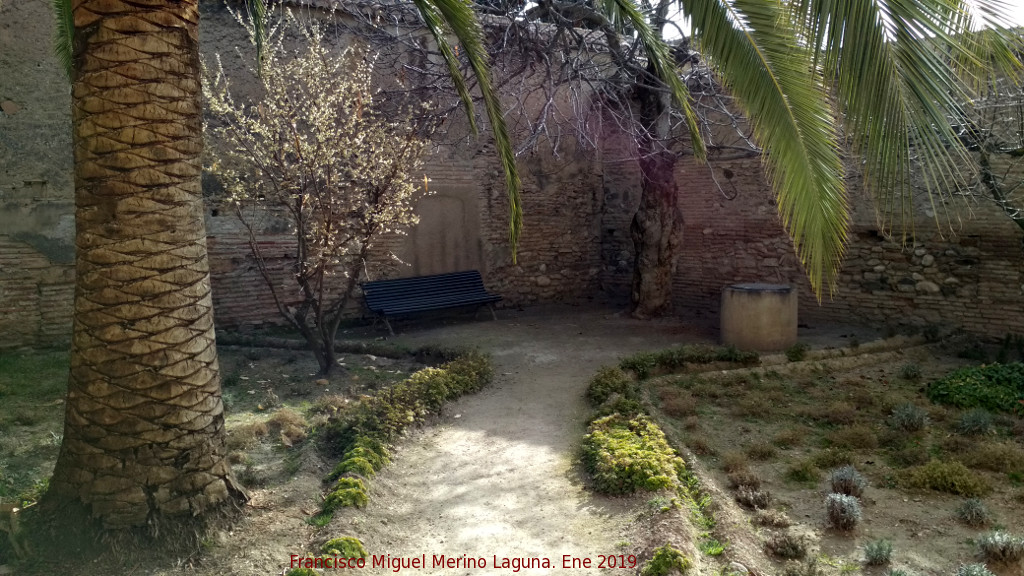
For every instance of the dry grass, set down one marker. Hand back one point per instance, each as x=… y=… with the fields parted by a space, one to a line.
x=773 y=518
x=995 y=456
x=857 y=437
x=700 y=446
x=744 y=477
x=761 y=451
x=329 y=404
x=246 y=435
x=691 y=423
x=677 y=403
x=789 y=437
x=734 y=462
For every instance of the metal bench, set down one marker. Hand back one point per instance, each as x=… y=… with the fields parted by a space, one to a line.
x=423 y=293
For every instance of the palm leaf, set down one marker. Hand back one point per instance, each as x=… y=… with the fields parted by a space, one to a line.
x=65 y=34
x=458 y=16
x=756 y=52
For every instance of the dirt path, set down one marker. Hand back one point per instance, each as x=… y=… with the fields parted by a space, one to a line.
x=495 y=477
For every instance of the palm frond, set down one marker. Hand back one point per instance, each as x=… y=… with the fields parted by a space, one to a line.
x=458 y=16
x=901 y=71
x=755 y=50
x=258 y=16
x=660 y=57
x=65 y=34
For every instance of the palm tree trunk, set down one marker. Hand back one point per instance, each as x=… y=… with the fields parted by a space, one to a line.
x=656 y=228
x=144 y=421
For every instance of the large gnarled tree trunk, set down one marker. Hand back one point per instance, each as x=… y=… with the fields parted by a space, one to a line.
x=656 y=228
x=144 y=424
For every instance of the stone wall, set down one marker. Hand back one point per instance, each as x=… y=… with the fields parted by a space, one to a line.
x=575 y=245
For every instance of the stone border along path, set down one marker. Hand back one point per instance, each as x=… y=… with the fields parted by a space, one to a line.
x=496 y=476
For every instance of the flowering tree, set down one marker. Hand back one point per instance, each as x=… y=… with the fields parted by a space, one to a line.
x=318 y=147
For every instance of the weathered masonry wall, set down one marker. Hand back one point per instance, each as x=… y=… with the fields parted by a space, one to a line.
x=575 y=246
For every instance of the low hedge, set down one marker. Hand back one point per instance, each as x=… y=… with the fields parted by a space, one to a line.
x=646 y=364
x=625 y=455
x=361 y=433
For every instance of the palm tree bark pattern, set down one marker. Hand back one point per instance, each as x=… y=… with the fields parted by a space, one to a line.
x=144 y=423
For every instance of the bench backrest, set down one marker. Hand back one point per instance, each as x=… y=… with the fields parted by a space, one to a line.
x=380 y=293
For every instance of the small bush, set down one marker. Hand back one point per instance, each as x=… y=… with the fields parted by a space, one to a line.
x=773 y=518
x=839 y=413
x=301 y=572
x=744 y=477
x=753 y=498
x=908 y=417
x=997 y=457
x=994 y=387
x=1000 y=548
x=803 y=471
x=847 y=480
x=877 y=552
x=910 y=371
x=344 y=547
x=976 y=422
x=843 y=511
x=761 y=451
x=832 y=457
x=974 y=513
x=859 y=437
x=796 y=352
x=610 y=380
x=624 y=456
x=789 y=437
x=786 y=545
x=246 y=436
x=347 y=492
x=951 y=477
x=677 y=403
x=664 y=561
x=355 y=465
x=734 y=462
x=973 y=570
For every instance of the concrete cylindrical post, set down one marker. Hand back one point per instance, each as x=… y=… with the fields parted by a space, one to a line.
x=759 y=316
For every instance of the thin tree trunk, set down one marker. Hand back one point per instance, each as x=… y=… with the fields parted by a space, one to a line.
x=144 y=421
x=656 y=228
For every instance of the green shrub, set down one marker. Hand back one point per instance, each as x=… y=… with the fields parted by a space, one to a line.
x=347 y=492
x=664 y=561
x=847 y=480
x=832 y=457
x=803 y=471
x=344 y=547
x=951 y=477
x=354 y=465
x=385 y=416
x=973 y=570
x=1000 y=548
x=608 y=381
x=625 y=455
x=909 y=417
x=797 y=352
x=645 y=364
x=786 y=545
x=843 y=511
x=974 y=513
x=301 y=572
x=995 y=387
x=877 y=552
x=976 y=422
x=910 y=371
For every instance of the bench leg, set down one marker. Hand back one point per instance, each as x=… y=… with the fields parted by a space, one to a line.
x=388 y=324
x=493 y=314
